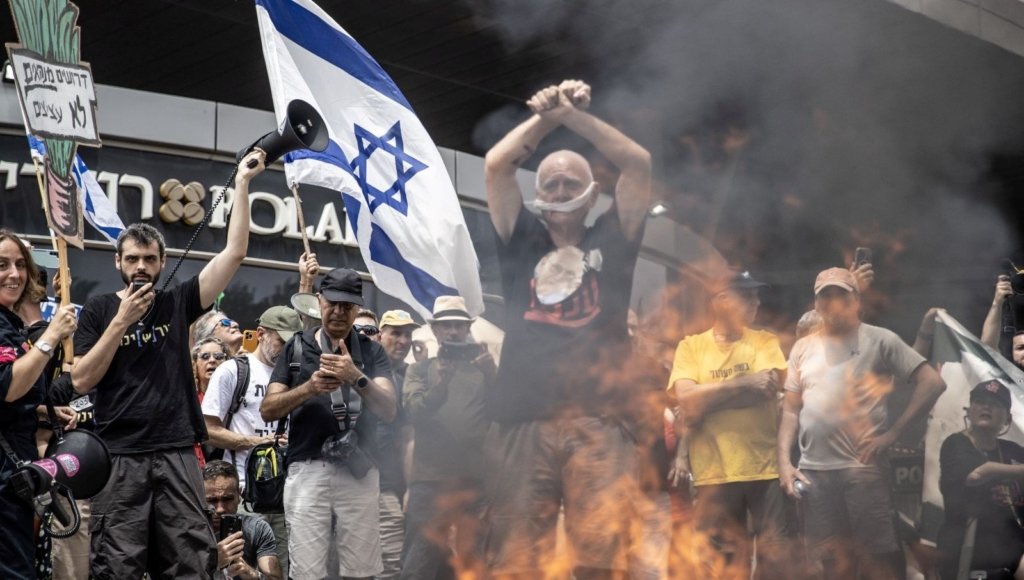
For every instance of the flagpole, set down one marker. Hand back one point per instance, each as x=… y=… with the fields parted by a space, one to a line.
x=302 y=220
x=61 y=246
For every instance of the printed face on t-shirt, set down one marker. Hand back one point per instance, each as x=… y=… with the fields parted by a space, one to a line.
x=565 y=288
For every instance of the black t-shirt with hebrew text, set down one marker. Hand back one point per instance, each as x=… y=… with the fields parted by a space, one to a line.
x=566 y=343
x=147 y=399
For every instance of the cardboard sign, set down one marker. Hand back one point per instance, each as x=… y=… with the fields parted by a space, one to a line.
x=59 y=100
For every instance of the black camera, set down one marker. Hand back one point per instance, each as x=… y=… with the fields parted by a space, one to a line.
x=339 y=447
x=464 y=351
x=343 y=449
x=137 y=284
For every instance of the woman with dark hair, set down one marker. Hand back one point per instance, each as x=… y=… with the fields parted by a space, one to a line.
x=981 y=479
x=21 y=390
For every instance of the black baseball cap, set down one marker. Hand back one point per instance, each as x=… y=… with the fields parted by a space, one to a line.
x=342 y=285
x=738 y=280
x=992 y=390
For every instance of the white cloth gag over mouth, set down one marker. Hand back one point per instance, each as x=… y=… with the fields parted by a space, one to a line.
x=565 y=206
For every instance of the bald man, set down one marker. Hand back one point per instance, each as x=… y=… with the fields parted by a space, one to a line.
x=561 y=434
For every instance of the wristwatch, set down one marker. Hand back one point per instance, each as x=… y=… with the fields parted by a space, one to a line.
x=362 y=382
x=44 y=347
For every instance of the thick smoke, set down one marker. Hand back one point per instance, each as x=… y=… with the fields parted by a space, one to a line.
x=793 y=131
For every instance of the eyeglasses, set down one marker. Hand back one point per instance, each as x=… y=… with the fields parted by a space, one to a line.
x=215 y=355
x=228 y=323
x=366 y=329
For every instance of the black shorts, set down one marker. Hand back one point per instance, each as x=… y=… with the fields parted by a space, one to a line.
x=151 y=517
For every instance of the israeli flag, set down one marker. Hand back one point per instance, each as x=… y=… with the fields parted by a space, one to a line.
x=399 y=199
x=99 y=212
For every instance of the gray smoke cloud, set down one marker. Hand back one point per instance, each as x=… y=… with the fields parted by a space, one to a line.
x=860 y=123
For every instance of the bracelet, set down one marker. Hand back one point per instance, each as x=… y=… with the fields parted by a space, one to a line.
x=925 y=334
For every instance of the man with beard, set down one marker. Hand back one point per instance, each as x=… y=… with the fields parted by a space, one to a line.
x=558 y=401
x=836 y=393
x=132 y=347
x=341 y=387
x=232 y=409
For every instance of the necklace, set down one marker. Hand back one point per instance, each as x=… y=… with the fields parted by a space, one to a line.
x=142 y=321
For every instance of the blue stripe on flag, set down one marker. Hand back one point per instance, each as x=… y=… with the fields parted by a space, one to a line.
x=424 y=287
x=333 y=155
x=310 y=32
x=36 y=146
x=352 y=209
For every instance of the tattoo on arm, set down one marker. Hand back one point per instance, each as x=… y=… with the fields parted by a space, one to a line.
x=527 y=151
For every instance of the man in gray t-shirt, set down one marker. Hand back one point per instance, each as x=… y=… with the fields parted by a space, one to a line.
x=836 y=390
x=252 y=553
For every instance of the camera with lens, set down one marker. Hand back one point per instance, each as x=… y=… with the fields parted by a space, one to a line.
x=1013 y=310
x=464 y=351
x=343 y=449
x=338 y=448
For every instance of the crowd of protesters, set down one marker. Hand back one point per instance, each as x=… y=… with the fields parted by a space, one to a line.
x=591 y=448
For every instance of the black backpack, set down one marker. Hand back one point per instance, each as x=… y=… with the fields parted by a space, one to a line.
x=265 y=471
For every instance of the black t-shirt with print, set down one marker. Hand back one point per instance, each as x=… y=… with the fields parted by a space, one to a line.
x=1000 y=538
x=566 y=342
x=147 y=399
x=312 y=422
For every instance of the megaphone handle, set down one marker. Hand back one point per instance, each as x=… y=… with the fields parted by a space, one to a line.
x=75 y=519
x=58 y=510
x=302 y=219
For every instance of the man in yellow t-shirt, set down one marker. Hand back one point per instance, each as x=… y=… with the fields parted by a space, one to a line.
x=727 y=381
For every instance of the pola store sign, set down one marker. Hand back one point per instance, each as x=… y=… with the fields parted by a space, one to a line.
x=174 y=193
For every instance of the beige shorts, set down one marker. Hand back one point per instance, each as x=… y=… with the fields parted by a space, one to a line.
x=313 y=491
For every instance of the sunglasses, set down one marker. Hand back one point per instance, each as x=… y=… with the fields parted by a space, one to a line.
x=366 y=329
x=228 y=323
x=215 y=355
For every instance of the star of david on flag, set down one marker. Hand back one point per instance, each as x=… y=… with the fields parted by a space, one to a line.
x=406 y=167
x=397 y=193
